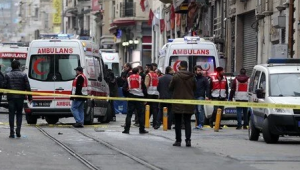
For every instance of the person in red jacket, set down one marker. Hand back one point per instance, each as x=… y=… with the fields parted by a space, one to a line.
x=239 y=91
x=219 y=92
x=136 y=89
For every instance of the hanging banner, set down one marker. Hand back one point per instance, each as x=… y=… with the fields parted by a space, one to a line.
x=57 y=5
x=150 y=17
x=95 y=5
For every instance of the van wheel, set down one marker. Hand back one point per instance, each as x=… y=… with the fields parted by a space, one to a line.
x=107 y=117
x=52 y=120
x=31 y=120
x=89 y=117
x=268 y=136
x=253 y=132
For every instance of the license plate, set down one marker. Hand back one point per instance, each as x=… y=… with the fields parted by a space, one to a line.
x=230 y=111
x=41 y=103
x=4 y=97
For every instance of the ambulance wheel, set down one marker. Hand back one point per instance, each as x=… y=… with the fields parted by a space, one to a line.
x=31 y=120
x=89 y=116
x=52 y=120
x=108 y=115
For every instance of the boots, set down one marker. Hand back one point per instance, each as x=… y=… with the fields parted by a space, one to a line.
x=18 y=132
x=188 y=143
x=12 y=134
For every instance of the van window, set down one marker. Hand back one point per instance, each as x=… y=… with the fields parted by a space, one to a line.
x=53 y=67
x=206 y=62
x=255 y=81
x=97 y=67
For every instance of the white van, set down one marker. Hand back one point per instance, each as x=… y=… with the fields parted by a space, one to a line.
x=50 y=69
x=194 y=50
x=8 y=53
x=111 y=59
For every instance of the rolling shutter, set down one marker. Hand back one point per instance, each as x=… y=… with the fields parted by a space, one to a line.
x=250 y=43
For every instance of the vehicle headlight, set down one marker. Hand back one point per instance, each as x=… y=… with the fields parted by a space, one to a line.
x=277 y=110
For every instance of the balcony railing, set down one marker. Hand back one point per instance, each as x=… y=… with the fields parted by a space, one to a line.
x=127 y=9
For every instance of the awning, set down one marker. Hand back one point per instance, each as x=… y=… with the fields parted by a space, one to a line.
x=123 y=22
x=70 y=12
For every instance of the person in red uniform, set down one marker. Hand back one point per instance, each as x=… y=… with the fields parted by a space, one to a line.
x=151 y=82
x=136 y=89
x=79 y=87
x=219 y=92
x=239 y=91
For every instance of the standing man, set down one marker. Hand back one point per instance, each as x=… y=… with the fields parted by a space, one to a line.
x=154 y=65
x=239 y=91
x=151 y=82
x=165 y=93
x=79 y=87
x=201 y=93
x=219 y=92
x=113 y=89
x=128 y=69
x=16 y=80
x=183 y=85
x=136 y=89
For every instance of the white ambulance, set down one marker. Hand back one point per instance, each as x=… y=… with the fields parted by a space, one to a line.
x=194 y=50
x=111 y=59
x=8 y=53
x=50 y=69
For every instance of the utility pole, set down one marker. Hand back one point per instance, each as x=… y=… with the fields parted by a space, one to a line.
x=291 y=27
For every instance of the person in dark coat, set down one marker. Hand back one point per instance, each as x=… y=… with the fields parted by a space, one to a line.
x=202 y=93
x=165 y=93
x=113 y=89
x=183 y=85
x=16 y=80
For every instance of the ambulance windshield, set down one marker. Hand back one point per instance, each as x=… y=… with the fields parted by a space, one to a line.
x=5 y=64
x=206 y=62
x=53 y=67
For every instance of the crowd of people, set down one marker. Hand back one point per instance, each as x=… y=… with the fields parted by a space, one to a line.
x=152 y=84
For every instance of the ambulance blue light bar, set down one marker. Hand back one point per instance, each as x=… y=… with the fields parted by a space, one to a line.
x=191 y=40
x=170 y=40
x=284 y=61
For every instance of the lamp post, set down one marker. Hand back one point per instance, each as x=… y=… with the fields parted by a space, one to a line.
x=125 y=44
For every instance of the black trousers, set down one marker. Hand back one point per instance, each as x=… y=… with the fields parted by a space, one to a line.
x=139 y=107
x=154 y=110
x=15 y=107
x=170 y=114
x=187 y=123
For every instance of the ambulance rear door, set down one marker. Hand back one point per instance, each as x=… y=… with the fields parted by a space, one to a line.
x=51 y=70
